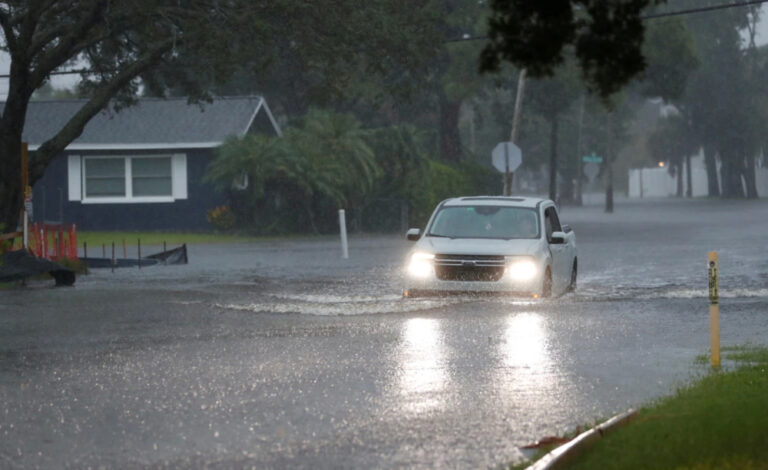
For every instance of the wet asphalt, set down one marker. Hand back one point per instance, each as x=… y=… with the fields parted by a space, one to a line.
x=279 y=354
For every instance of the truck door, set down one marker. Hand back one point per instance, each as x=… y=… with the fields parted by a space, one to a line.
x=560 y=261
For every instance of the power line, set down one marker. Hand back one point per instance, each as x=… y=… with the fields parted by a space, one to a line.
x=703 y=9
x=653 y=16
x=467 y=37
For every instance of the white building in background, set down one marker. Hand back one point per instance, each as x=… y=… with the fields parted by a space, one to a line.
x=658 y=182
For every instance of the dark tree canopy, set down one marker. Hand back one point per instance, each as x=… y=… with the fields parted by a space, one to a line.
x=186 y=48
x=120 y=45
x=606 y=36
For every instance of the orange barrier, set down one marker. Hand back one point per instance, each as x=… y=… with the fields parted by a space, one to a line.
x=53 y=241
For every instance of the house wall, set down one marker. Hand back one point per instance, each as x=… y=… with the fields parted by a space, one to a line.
x=657 y=182
x=51 y=201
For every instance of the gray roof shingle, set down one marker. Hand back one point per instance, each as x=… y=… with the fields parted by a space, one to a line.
x=150 y=123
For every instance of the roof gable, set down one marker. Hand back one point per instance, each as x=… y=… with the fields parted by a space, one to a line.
x=150 y=123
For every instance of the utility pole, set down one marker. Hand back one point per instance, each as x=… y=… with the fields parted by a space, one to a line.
x=609 y=157
x=515 y=128
x=579 y=162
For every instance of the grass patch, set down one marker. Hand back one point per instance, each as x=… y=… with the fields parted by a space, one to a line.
x=718 y=422
x=77 y=266
x=96 y=239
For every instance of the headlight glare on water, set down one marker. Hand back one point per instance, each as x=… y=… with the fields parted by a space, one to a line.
x=521 y=269
x=421 y=264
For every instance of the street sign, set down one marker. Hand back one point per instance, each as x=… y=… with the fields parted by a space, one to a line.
x=592 y=158
x=591 y=169
x=506 y=151
x=28 y=207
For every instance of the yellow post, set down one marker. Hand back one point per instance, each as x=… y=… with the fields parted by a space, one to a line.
x=714 y=309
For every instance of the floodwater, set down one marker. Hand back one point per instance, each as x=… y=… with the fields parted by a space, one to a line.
x=281 y=354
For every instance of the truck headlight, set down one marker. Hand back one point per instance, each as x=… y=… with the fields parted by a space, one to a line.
x=521 y=269
x=421 y=264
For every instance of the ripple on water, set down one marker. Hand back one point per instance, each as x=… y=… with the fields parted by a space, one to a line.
x=328 y=304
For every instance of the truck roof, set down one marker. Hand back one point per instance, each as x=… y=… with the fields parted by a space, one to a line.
x=511 y=201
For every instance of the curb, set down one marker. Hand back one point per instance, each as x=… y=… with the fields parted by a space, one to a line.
x=566 y=452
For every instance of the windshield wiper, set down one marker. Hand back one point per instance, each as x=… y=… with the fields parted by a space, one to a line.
x=440 y=236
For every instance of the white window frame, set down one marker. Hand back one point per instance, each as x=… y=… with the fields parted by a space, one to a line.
x=178 y=180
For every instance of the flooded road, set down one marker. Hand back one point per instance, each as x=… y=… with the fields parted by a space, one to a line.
x=281 y=354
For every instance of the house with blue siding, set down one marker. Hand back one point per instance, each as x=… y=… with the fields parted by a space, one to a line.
x=141 y=168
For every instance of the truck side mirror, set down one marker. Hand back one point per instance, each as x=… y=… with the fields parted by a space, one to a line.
x=413 y=234
x=557 y=238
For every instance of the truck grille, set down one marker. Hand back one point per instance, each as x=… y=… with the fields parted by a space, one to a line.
x=487 y=268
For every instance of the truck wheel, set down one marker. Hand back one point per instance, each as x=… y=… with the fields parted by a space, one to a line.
x=574 y=273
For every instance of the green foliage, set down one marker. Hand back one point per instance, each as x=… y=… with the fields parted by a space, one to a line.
x=298 y=181
x=672 y=57
x=607 y=38
x=258 y=157
x=724 y=98
x=326 y=52
x=331 y=156
x=718 y=422
x=324 y=163
x=401 y=156
x=447 y=181
x=221 y=217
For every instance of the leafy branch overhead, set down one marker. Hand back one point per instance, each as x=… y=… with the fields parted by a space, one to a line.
x=605 y=35
x=121 y=42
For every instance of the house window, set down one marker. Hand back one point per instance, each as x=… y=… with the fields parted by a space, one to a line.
x=151 y=176
x=104 y=177
x=119 y=179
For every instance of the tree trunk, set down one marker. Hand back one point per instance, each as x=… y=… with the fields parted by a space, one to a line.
x=568 y=189
x=311 y=216
x=679 y=170
x=450 y=139
x=579 y=157
x=730 y=174
x=10 y=183
x=749 y=178
x=609 y=166
x=553 y=158
x=689 y=177
x=569 y=174
x=713 y=186
x=11 y=129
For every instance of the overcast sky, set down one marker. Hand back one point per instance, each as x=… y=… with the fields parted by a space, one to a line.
x=68 y=81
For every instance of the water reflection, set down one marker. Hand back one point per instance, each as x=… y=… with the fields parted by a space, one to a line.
x=528 y=376
x=525 y=344
x=422 y=359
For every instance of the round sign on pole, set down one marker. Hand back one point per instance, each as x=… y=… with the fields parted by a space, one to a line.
x=591 y=169
x=506 y=152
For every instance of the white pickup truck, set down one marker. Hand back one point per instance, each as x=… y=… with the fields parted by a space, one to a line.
x=515 y=245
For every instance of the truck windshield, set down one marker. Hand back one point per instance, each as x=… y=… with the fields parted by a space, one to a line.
x=486 y=222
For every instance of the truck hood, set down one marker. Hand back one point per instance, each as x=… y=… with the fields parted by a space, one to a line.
x=478 y=246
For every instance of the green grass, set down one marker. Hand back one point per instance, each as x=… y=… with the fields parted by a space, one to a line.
x=96 y=239
x=718 y=422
